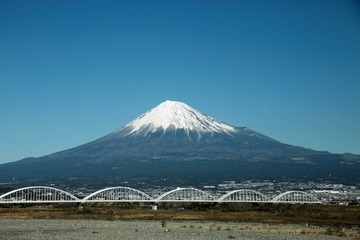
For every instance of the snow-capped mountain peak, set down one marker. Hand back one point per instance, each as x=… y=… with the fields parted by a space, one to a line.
x=176 y=115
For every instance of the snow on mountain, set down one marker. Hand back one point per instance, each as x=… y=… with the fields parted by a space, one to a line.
x=173 y=115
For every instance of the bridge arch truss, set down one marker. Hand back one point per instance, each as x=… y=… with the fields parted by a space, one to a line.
x=244 y=195
x=37 y=194
x=118 y=194
x=296 y=197
x=185 y=195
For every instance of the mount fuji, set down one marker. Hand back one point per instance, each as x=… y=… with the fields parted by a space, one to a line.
x=179 y=144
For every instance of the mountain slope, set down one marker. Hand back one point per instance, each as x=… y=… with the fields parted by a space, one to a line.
x=175 y=141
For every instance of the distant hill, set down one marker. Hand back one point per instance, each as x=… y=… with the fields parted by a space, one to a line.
x=175 y=143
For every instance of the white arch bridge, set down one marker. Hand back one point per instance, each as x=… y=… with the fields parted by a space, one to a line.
x=43 y=194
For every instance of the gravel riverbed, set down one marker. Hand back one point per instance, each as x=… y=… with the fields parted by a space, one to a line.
x=38 y=229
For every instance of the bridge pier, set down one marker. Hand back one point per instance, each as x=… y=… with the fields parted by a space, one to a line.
x=154 y=206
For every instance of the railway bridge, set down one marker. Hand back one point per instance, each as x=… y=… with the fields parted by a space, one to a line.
x=44 y=194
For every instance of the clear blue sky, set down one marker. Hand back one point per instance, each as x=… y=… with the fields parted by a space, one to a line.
x=73 y=71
